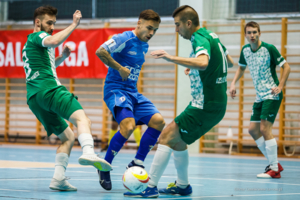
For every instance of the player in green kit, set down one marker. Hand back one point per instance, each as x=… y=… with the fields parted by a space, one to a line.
x=207 y=69
x=262 y=59
x=50 y=101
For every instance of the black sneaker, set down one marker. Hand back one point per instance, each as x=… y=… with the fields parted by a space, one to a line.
x=133 y=164
x=104 y=180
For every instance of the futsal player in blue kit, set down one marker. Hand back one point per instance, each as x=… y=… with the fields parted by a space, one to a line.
x=124 y=54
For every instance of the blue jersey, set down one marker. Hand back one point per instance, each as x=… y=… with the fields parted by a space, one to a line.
x=129 y=52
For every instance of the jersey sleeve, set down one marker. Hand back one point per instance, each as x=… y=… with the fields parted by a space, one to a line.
x=39 y=38
x=201 y=46
x=276 y=57
x=116 y=44
x=242 y=61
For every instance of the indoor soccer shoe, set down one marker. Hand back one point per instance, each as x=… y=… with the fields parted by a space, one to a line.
x=133 y=164
x=62 y=185
x=94 y=160
x=148 y=193
x=269 y=173
x=173 y=189
x=104 y=180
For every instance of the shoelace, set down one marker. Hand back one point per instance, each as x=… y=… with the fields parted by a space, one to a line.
x=171 y=185
x=267 y=169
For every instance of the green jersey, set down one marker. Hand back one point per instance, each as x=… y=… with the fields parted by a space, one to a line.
x=262 y=65
x=39 y=64
x=209 y=86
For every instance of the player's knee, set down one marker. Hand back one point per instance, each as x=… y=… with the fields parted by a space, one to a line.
x=127 y=127
x=83 y=120
x=157 y=122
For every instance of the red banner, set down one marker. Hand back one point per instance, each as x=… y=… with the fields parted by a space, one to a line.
x=82 y=63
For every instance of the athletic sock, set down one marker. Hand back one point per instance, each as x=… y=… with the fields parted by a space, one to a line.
x=111 y=134
x=115 y=146
x=159 y=164
x=262 y=146
x=148 y=141
x=87 y=143
x=271 y=149
x=181 y=161
x=61 y=163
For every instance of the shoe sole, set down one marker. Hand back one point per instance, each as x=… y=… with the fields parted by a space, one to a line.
x=54 y=188
x=140 y=196
x=100 y=165
x=175 y=194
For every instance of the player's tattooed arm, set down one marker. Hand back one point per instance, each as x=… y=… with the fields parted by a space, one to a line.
x=106 y=58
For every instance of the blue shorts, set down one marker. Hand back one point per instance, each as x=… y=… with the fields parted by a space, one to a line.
x=140 y=106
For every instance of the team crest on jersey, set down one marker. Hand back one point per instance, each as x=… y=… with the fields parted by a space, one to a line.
x=110 y=43
x=42 y=35
x=122 y=99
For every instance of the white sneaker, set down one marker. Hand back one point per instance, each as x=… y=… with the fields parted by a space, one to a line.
x=62 y=185
x=94 y=160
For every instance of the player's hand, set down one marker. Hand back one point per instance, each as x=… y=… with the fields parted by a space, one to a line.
x=124 y=72
x=232 y=91
x=66 y=51
x=276 y=90
x=161 y=54
x=187 y=71
x=76 y=17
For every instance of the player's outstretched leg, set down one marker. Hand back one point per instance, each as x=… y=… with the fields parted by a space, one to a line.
x=83 y=124
x=261 y=133
x=59 y=181
x=155 y=125
x=127 y=126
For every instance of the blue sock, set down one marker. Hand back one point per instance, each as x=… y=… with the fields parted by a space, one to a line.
x=148 y=141
x=114 y=147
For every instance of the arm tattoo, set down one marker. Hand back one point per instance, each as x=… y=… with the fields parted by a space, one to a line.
x=106 y=58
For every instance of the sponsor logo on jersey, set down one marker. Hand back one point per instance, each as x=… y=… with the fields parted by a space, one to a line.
x=271 y=115
x=184 y=131
x=42 y=35
x=198 y=48
x=221 y=80
x=144 y=53
x=132 y=53
x=122 y=99
x=278 y=59
x=34 y=76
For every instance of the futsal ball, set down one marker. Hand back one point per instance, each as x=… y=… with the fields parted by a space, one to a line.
x=135 y=179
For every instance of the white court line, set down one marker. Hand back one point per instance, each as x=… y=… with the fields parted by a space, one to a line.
x=229 y=196
x=16 y=190
x=231 y=163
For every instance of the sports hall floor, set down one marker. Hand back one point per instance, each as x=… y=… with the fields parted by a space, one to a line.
x=26 y=171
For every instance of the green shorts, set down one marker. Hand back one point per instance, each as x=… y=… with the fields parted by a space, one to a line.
x=194 y=122
x=266 y=110
x=52 y=106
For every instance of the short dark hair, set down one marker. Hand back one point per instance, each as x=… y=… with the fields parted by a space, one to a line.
x=187 y=13
x=43 y=10
x=253 y=25
x=150 y=15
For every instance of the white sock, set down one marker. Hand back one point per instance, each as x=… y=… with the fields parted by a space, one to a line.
x=271 y=148
x=262 y=146
x=181 y=161
x=87 y=143
x=138 y=162
x=61 y=163
x=159 y=163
